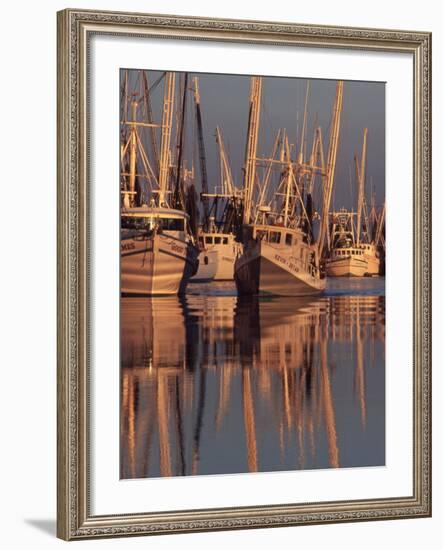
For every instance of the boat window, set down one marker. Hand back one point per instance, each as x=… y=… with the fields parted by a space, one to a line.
x=261 y=235
x=288 y=239
x=171 y=224
x=206 y=260
x=200 y=240
x=134 y=222
x=217 y=240
x=225 y=240
x=274 y=236
x=208 y=240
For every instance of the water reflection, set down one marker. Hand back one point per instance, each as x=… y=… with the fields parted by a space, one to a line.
x=214 y=384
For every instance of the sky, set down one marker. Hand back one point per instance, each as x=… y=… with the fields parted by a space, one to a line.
x=225 y=102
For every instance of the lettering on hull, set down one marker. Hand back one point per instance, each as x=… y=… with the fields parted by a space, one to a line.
x=287 y=263
x=127 y=246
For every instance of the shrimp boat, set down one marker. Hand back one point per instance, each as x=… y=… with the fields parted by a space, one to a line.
x=217 y=256
x=353 y=252
x=216 y=240
x=158 y=255
x=347 y=259
x=280 y=254
x=278 y=260
x=158 y=249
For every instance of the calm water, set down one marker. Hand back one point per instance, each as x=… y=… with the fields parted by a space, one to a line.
x=214 y=384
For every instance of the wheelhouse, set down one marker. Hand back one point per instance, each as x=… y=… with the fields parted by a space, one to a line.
x=163 y=220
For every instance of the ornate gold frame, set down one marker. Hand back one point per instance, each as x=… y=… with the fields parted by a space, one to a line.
x=75 y=27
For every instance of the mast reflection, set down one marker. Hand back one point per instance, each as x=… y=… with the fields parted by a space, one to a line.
x=217 y=384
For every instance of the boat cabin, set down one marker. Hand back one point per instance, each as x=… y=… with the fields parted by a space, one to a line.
x=224 y=242
x=163 y=219
x=277 y=235
x=347 y=252
x=209 y=240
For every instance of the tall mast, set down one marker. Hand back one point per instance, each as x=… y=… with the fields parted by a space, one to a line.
x=168 y=108
x=278 y=143
x=227 y=183
x=133 y=156
x=150 y=119
x=303 y=132
x=251 y=145
x=361 y=174
x=330 y=165
x=289 y=177
x=201 y=154
x=178 y=193
x=380 y=223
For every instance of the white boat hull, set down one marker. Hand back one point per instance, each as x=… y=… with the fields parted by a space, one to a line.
x=226 y=249
x=225 y=264
x=155 y=264
x=207 y=267
x=263 y=269
x=373 y=264
x=347 y=267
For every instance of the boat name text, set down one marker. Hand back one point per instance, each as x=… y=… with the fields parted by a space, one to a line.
x=287 y=263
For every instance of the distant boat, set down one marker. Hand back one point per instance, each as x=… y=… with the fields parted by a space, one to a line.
x=346 y=258
x=353 y=251
x=371 y=255
x=218 y=252
x=347 y=262
x=216 y=237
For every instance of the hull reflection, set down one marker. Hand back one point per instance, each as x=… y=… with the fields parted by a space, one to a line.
x=217 y=384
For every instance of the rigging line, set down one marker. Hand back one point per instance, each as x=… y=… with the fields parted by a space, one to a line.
x=135 y=88
x=157 y=82
x=123 y=93
x=147 y=166
x=153 y=86
x=268 y=120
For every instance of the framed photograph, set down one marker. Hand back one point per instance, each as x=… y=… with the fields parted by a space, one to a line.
x=243 y=274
